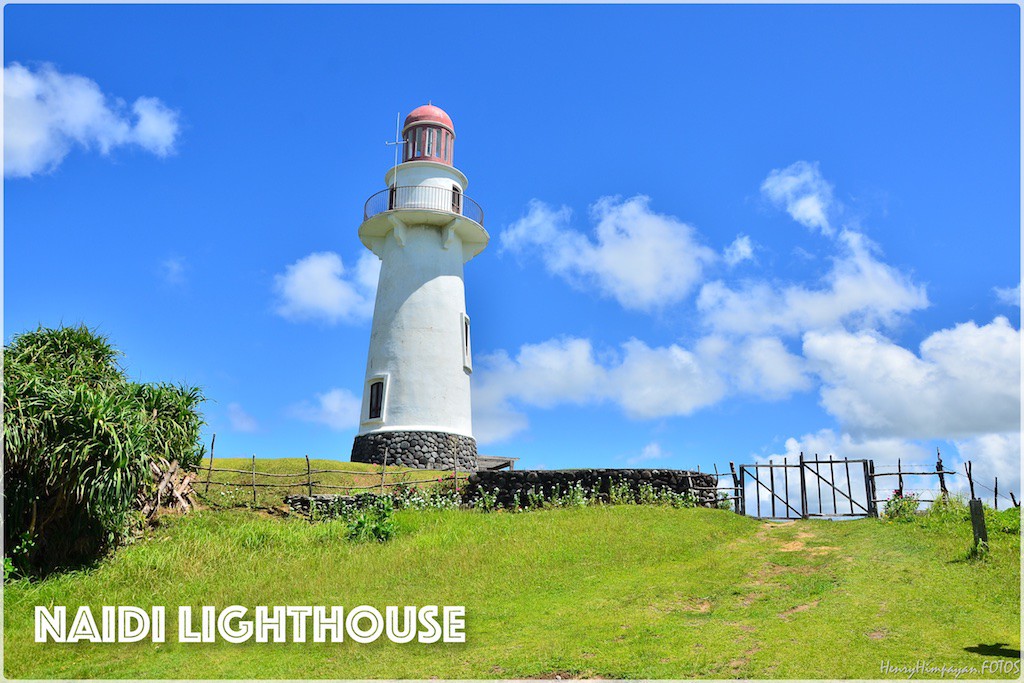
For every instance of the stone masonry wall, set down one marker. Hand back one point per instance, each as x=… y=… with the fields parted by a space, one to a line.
x=420 y=449
x=510 y=483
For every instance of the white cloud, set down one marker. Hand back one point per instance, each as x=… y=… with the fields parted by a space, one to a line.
x=319 y=287
x=765 y=368
x=47 y=112
x=651 y=451
x=1009 y=296
x=644 y=382
x=240 y=420
x=859 y=289
x=338 y=409
x=826 y=442
x=642 y=259
x=741 y=249
x=802 y=191
x=173 y=270
x=663 y=381
x=991 y=456
x=965 y=382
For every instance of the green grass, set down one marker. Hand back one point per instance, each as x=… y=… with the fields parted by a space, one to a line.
x=239 y=490
x=619 y=591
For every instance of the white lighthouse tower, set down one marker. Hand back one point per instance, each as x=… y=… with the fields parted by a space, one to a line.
x=416 y=402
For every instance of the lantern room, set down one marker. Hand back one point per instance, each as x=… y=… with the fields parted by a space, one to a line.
x=429 y=135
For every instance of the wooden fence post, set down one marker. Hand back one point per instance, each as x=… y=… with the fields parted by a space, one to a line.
x=970 y=479
x=209 y=472
x=867 y=489
x=742 y=493
x=942 y=474
x=1014 y=500
x=735 y=487
x=872 y=489
x=785 y=482
x=995 y=495
x=832 y=483
x=978 y=523
x=253 y=478
x=383 y=470
x=899 y=470
x=803 y=488
x=309 y=479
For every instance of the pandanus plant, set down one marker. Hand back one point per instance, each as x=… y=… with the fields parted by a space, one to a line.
x=78 y=441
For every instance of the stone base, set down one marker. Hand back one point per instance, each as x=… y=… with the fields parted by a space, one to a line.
x=420 y=449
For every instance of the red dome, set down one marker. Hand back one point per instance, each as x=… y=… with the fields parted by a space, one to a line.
x=428 y=113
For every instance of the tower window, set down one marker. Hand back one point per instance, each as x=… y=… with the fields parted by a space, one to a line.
x=456 y=199
x=376 y=399
x=467 y=358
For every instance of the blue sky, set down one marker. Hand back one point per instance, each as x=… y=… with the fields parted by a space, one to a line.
x=717 y=232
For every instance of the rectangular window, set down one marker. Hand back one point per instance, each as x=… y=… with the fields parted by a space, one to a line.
x=444 y=145
x=456 y=200
x=467 y=356
x=376 y=399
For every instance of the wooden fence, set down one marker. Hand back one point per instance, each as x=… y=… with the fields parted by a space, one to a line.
x=851 y=485
x=305 y=479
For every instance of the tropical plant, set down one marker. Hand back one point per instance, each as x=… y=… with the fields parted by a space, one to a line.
x=79 y=438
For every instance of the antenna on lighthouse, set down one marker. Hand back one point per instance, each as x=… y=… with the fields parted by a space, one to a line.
x=397 y=143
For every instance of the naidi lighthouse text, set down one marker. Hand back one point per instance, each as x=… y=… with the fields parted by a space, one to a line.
x=416 y=398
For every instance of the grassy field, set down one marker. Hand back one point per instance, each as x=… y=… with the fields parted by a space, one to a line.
x=619 y=591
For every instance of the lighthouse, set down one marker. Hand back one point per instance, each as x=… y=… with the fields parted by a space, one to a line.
x=416 y=407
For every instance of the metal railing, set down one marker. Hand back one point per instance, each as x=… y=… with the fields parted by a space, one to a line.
x=423 y=197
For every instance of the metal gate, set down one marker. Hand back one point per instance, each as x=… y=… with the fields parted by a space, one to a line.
x=807 y=488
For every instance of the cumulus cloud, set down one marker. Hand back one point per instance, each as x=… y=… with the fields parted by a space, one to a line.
x=766 y=368
x=644 y=260
x=240 y=420
x=991 y=456
x=803 y=192
x=965 y=382
x=319 y=287
x=1009 y=296
x=338 y=409
x=644 y=382
x=741 y=249
x=859 y=289
x=47 y=113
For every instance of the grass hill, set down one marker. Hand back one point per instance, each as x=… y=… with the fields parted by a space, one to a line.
x=615 y=591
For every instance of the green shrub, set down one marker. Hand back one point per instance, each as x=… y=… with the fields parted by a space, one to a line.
x=375 y=522
x=901 y=507
x=78 y=441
